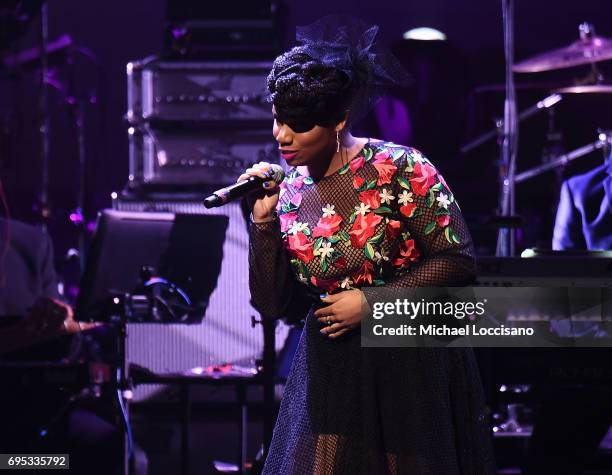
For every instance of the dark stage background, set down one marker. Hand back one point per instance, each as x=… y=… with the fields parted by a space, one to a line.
x=457 y=95
x=447 y=109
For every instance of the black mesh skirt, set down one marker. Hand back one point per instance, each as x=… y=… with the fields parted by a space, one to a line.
x=352 y=410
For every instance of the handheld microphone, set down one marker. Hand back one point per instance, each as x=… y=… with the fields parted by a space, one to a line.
x=238 y=190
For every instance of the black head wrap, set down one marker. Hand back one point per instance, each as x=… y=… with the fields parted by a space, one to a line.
x=339 y=66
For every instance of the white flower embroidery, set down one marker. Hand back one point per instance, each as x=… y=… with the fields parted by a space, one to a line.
x=296 y=227
x=362 y=209
x=381 y=256
x=417 y=157
x=386 y=197
x=302 y=279
x=346 y=283
x=328 y=211
x=443 y=200
x=405 y=198
x=326 y=249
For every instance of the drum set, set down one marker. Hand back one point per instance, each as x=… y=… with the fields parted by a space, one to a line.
x=588 y=50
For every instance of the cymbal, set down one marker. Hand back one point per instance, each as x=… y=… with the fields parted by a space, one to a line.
x=588 y=49
x=586 y=89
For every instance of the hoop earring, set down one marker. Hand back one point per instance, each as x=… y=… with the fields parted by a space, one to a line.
x=337 y=141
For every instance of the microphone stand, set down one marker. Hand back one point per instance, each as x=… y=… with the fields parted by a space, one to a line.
x=509 y=142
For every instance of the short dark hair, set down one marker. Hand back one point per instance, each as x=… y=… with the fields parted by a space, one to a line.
x=302 y=87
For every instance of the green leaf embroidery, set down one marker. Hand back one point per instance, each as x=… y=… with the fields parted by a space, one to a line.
x=382 y=210
x=454 y=236
x=371 y=185
x=376 y=239
x=416 y=213
x=334 y=239
x=369 y=251
x=430 y=198
x=323 y=264
x=447 y=233
x=345 y=236
x=378 y=282
x=364 y=186
x=306 y=231
x=437 y=187
x=430 y=227
x=397 y=153
x=344 y=169
x=317 y=243
x=409 y=166
x=367 y=154
x=441 y=211
x=308 y=180
x=403 y=182
x=353 y=217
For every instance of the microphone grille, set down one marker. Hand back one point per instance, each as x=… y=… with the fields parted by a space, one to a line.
x=277 y=173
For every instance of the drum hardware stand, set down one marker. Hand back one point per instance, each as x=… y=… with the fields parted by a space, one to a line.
x=546 y=103
x=587 y=32
x=119 y=316
x=512 y=425
x=604 y=140
x=509 y=142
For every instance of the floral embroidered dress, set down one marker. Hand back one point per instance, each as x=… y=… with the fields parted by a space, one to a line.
x=386 y=218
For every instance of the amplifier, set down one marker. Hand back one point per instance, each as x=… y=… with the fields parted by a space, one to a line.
x=214 y=91
x=190 y=156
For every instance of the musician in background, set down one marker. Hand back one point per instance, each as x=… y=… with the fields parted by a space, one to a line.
x=32 y=322
x=574 y=419
x=584 y=215
x=30 y=308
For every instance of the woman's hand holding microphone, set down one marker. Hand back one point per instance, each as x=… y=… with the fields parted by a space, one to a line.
x=262 y=202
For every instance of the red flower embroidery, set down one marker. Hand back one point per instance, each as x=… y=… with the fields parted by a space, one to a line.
x=364 y=275
x=340 y=263
x=408 y=253
x=385 y=168
x=393 y=229
x=301 y=247
x=298 y=182
x=357 y=182
x=327 y=226
x=356 y=163
x=363 y=228
x=382 y=155
x=286 y=220
x=443 y=220
x=329 y=285
x=423 y=178
x=371 y=198
x=297 y=200
x=408 y=210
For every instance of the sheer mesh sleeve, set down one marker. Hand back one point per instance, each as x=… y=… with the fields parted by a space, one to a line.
x=443 y=254
x=275 y=292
